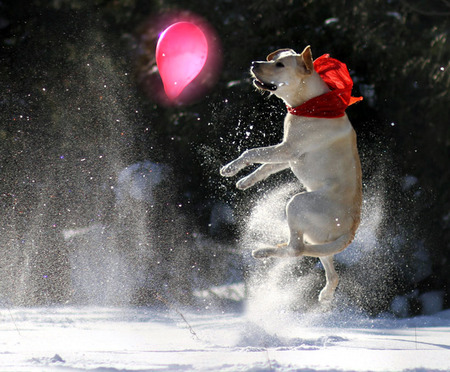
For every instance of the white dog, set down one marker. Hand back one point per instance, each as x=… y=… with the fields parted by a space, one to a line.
x=319 y=146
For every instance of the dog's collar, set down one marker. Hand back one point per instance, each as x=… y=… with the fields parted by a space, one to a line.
x=331 y=104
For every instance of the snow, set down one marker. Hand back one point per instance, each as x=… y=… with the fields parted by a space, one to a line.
x=138 y=181
x=148 y=339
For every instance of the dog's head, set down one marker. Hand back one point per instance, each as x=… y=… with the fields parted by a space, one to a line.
x=286 y=74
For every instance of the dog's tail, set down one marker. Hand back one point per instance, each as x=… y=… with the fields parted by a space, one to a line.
x=328 y=249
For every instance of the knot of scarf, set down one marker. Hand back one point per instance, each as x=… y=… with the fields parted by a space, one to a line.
x=331 y=104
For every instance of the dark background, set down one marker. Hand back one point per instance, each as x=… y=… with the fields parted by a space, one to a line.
x=77 y=105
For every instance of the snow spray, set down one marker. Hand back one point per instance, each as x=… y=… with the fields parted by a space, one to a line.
x=281 y=290
x=81 y=223
x=276 y=287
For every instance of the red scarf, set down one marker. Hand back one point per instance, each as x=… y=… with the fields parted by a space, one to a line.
x=332 y=104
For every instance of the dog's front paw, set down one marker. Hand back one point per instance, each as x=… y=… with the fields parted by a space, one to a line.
x=230 y=169
x=225 y=171
x=244 y=183
x=262 y=252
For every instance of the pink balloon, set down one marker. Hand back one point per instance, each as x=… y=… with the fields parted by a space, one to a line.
x=181 y=53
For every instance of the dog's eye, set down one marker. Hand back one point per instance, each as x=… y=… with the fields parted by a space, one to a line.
x=279 y=64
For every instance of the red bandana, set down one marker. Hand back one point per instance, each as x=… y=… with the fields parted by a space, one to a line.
x=332 y=104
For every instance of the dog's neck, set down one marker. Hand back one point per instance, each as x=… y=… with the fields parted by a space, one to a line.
x=305 y=90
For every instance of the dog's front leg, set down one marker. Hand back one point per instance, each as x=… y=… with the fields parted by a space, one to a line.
x=260 y=174
x=273 y=154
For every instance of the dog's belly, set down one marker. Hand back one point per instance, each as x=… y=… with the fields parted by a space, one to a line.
x=313 y=179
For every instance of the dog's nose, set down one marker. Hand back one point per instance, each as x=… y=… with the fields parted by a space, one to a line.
x=255 y=65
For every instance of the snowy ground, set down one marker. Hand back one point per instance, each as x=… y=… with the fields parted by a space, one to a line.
x=144 y=339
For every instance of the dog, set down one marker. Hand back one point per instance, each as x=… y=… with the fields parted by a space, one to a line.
x=319 y=146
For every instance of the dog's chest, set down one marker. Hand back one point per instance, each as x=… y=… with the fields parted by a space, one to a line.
x=322 y=151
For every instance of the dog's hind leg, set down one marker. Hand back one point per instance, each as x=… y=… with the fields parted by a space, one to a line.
x=297 y=222
x=326 y=294
x=293 y=248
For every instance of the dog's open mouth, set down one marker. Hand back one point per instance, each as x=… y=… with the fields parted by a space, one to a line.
x=265 y=86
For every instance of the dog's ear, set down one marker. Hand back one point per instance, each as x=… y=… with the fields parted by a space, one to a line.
x=306 y=59
x=272 y=55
